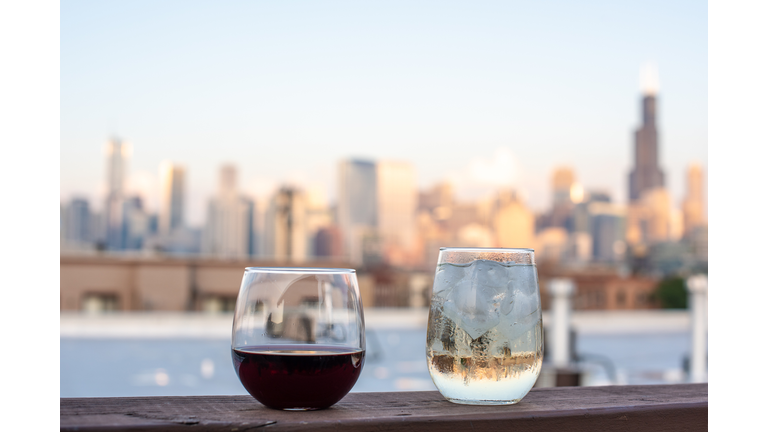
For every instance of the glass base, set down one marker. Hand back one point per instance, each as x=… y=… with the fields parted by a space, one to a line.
x=483 y=402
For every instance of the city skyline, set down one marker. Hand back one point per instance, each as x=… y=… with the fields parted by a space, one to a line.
x=154 y=192
x=453 y=92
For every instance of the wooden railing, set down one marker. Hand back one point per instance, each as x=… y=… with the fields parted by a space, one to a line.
x=679 y=407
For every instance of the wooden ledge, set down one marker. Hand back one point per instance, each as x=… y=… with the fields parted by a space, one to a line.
x=677 y=407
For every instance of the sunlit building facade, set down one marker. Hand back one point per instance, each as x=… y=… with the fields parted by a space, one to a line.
x=357 y=206
x=286 y=226
x=172 y=178
x=228 y=231
x=693 y=204
x=513 y=223
x=396 y=206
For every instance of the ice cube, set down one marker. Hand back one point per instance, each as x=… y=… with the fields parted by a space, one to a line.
x=475 y=301
x=523 y=278
x=525 y=313
x=446 y=277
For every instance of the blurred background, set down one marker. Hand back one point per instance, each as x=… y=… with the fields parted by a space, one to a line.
x=199 y=138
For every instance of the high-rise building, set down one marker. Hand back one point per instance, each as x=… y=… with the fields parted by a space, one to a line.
x=171 y=216
x=76 y=223
x=563 y=181
x=438 y=201
x=659 y=206
x=286 y=225
x=581 y=221
x=566 y=192
x=357 y=206
x=228 y=231
x=646 y=174
x=513 y=222
x=327 y=243
x=693 y=204
x=135 y=223
x=397 y=200
x=608 y=230
x=319 y=217
x=117 y=155
x=650 y=220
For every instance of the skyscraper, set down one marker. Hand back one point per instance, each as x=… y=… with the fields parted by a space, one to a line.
x=397 y=197
x=562 y=182
x=135 y=223
x=646 y=174
x=513 y=222
x=357 y=205
x=228 y=229
x=693 y=204
x=659 y=212
x=608 y=230
x=117 y=155
x=286 y=225
x=171 y=198
x=566 y=192
x=76 y=223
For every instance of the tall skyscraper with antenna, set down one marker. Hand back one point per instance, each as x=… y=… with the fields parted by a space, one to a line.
x=646 y=174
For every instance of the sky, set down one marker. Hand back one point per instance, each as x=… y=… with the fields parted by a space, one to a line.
x=483 y=94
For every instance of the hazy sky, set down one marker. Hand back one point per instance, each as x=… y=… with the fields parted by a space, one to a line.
x=481 y=93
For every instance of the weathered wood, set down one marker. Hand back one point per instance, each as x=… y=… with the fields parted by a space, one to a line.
x=679 y=407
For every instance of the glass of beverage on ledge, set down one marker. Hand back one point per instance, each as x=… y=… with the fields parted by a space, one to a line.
x=298 y=336
x=484 y=337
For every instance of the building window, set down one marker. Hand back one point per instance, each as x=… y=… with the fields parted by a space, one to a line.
x=99 y=302
x=219 y=304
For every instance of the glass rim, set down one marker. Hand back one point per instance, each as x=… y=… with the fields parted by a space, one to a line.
x=305 y=270
x=486 y=249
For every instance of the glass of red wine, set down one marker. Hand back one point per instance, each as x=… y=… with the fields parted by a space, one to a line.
x=298 y=337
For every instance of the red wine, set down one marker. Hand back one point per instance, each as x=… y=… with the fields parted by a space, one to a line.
x=298 y=376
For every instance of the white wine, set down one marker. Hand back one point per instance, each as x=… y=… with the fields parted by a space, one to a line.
x=484 y=340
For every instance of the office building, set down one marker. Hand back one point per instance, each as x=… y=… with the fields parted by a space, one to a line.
x=513 y=222
x=357 y=207
x=136 y=223
x=286 y=226
x=659 y=215
x=693 y=203
x=76 y=223
x=608 y=229
x=228 y=231
x=171 y=217
x=328 y=243
x=566 y=193
x=117 y=153
x=646 y=174
x=396 y=206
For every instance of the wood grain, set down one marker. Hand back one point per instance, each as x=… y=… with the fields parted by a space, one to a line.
x=680 y=407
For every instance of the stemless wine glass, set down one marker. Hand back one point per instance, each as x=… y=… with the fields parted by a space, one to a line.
x=484 y=343
x=298 y=336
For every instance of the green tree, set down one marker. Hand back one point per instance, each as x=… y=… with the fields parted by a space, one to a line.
x=672 y=294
